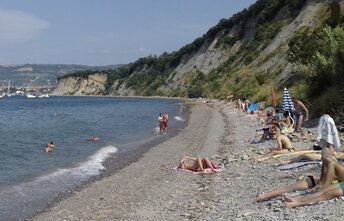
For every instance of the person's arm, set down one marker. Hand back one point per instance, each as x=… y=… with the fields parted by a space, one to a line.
x=191 y=158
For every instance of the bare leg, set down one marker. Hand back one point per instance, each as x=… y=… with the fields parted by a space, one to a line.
x=329 y=192
x=303 y=157
x=198 y=165
x=298 y=126
x=207 y=164
x=303 y=184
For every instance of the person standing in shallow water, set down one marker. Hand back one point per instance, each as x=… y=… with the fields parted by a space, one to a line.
x=161 y=123
x=165 y=121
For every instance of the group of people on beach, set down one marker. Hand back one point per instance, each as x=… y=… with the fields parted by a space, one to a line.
x=279 y=127
x=163 y=122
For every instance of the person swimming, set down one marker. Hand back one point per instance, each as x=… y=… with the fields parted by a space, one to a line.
x=94 y=138
x=49 y=147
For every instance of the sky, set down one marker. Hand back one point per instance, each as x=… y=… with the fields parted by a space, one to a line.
x=104 y=32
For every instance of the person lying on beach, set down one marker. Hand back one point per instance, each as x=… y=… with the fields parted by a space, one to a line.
x=309 y=157
x=327 y=191
x=49 y=147
x=327 y=138
x=199 y=164
x=330 y=169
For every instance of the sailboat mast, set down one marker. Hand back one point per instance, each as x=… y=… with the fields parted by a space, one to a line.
x=9 y=86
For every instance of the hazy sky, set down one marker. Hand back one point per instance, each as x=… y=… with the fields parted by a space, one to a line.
x=103 y=32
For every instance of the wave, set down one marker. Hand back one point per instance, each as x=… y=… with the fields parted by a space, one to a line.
x=90 y=167
x=45 y=188
x=177 y=118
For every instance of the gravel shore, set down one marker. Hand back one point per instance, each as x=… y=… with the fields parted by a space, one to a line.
x=150 y=189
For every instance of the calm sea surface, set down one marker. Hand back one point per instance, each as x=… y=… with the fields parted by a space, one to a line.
x=31 y=178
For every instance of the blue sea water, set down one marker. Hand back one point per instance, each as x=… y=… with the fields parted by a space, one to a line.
x=31 y=178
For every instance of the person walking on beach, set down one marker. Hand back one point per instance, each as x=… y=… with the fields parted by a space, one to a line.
x=301 y=115
x=161 y=123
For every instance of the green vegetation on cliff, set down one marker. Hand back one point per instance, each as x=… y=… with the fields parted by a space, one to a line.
x=265 y=46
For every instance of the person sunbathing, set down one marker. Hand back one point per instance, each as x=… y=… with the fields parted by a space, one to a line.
x=199 y=164
x=327 y=191
x=327 y=138
x=330 y=169
x=309 y=157
x=283 y=146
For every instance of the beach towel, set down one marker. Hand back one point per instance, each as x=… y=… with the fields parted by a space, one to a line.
x=252 y=107
x=298 y=164
x=327 y=131
x=287 y=154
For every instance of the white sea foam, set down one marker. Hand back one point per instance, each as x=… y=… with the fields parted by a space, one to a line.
x=92 y=166
x=177 y=118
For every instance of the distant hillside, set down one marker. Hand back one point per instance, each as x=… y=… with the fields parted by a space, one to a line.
x=298 y=44
x=41 y=74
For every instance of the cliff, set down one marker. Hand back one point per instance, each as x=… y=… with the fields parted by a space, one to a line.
x=254 y=50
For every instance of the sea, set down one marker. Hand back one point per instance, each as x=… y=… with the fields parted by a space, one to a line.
x=31 y=179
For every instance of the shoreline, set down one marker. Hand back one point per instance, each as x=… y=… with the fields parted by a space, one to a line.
x=120 y=160
x=150 y=189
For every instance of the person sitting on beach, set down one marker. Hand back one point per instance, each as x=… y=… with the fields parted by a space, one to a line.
x=94 y=138
x=49 y=147
x=199 y=164
x=328 y=140
x=283 y=146
x=285 y=124
x=300 y=115
x=239 y=104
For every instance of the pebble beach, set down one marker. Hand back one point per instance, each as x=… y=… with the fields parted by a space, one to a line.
x=150 y=188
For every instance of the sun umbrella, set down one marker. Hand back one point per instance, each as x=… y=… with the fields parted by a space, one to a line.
x=287 y=103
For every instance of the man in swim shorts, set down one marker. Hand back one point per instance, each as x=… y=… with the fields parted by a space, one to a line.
x=328 y=190
x=300 y=115
x=335 y=170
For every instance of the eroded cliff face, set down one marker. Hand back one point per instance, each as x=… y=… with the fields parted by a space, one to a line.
x=210 y=56
x=91 y=85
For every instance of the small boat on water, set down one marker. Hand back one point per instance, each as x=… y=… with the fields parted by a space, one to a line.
x=43 y=96
x=30 y=96
x=3 y=95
